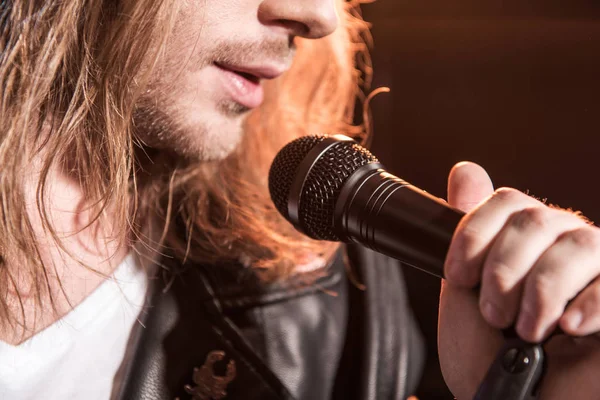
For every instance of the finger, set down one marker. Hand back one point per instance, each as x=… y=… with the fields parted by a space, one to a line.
x=527 y=234
x=468 y=185
x=476 y=232
x=560 y=273
x=582 y=317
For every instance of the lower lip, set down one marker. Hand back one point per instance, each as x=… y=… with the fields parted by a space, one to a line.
x=242 y=90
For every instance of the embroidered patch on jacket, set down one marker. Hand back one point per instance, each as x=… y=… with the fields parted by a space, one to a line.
x=211 y=386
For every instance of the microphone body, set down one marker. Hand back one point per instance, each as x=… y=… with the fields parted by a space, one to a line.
x=395 y=218
x=331 y=188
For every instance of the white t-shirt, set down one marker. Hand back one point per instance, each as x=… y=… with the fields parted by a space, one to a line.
x=77 y=356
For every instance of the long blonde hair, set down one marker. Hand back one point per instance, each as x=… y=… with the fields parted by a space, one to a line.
x=71 y=78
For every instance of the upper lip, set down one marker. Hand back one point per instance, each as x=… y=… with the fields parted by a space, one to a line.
x=263 y=71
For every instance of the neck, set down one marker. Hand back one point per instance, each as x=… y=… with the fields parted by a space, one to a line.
x=88 y=253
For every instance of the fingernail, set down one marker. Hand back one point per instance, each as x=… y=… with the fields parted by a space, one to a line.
x=493 y=314
x=573 y=319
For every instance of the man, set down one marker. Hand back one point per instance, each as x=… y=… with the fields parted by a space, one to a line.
x=136 y=137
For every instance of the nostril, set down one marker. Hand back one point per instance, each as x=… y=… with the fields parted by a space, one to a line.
x=296 y=28
x=306 y=18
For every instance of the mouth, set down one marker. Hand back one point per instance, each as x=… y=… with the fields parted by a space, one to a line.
x=242 y=87
x=249 y=77
x=255 y=72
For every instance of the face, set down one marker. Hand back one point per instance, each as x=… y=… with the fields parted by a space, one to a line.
x=212 y=71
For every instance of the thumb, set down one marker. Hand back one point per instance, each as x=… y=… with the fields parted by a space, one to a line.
x=468 y=185
x=467 y=345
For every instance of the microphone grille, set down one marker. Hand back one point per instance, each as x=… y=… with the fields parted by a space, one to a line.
x=322 y=184
x=283 y=169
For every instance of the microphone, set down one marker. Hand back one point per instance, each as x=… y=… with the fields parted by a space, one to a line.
x=331 y=188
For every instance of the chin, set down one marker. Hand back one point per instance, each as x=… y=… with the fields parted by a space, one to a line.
x=219 y=149
x=211 y=140
x=197 y=137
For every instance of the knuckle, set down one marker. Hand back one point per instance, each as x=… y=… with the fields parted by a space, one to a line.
x=530 y=218
x=507 y=194
x=497 y=276
x=586 y=237
x=500 y=288
x=541 y=295
x=543 y=304
x=467 y=237
x=459 y=265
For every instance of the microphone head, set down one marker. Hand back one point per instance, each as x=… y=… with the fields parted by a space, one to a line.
x=307 y=176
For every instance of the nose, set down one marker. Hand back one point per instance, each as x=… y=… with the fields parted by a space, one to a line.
x=311 y=19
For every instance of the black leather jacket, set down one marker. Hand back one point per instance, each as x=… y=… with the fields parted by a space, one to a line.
x=329 y=340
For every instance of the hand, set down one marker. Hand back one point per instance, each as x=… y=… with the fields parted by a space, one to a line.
x=530 y=260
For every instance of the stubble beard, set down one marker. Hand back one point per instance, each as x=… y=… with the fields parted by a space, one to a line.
x=162 y=129
x=160 y=125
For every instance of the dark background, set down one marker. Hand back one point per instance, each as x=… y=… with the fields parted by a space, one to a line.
x=513 y=85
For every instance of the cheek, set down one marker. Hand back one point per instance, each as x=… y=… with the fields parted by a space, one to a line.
x=209 y=20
